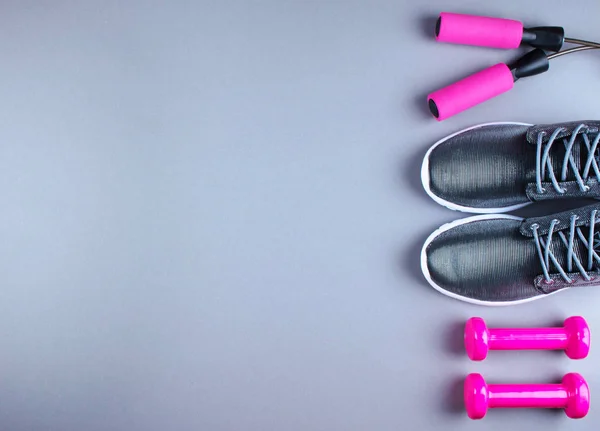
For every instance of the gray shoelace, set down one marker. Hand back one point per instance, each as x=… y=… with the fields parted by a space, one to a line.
x=544 y=249
x=543 y=165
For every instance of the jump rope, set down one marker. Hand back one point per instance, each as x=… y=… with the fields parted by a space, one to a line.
x=493 y=81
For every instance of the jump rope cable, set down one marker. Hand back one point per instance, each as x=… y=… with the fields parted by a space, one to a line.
x=584 y=46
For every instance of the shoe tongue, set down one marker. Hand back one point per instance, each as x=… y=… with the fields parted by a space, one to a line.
x=560 y=252
x=557 y=159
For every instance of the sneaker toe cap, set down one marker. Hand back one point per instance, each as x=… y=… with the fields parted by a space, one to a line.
x=483 y=168
x=483 y=260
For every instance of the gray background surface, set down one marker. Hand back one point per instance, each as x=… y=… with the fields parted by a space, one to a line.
x=212 y=214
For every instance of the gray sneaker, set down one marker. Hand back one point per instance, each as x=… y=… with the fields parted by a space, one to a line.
x=499 y=167
x=502 y=259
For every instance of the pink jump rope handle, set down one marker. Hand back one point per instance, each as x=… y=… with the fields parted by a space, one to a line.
x=572 y=395
x=470 y=91
x=478 y=30
x=491 y=32
x=484 y=85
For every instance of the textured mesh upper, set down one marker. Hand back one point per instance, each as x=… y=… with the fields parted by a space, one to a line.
x=486 y=167
x=494 y=166
x=497 y=260
x=487 y=260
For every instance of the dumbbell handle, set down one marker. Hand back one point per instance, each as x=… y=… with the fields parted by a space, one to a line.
x=527 y=338
x=552 y=396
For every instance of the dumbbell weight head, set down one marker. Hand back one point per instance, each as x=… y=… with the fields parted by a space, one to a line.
x=578 y=332
x=477 y=338
x=578 y=403
x=476 y=396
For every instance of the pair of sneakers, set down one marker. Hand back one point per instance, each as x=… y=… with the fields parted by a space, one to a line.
x=489 y=169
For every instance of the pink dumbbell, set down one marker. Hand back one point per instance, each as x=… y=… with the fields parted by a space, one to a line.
x=572 y=395
x=573 y=338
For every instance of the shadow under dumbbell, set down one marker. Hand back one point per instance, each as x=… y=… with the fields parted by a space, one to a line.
x=453 y=341
x=454 y=400
x=545 y=416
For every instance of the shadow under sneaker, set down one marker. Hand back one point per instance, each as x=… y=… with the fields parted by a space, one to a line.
x=499 y=167
x=502 y=259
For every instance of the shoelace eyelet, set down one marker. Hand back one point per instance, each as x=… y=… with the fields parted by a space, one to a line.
x=548 y=282
x=586 y=188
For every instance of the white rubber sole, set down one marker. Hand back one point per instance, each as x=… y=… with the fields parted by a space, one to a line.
x=425 y=179
x=449 y=226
